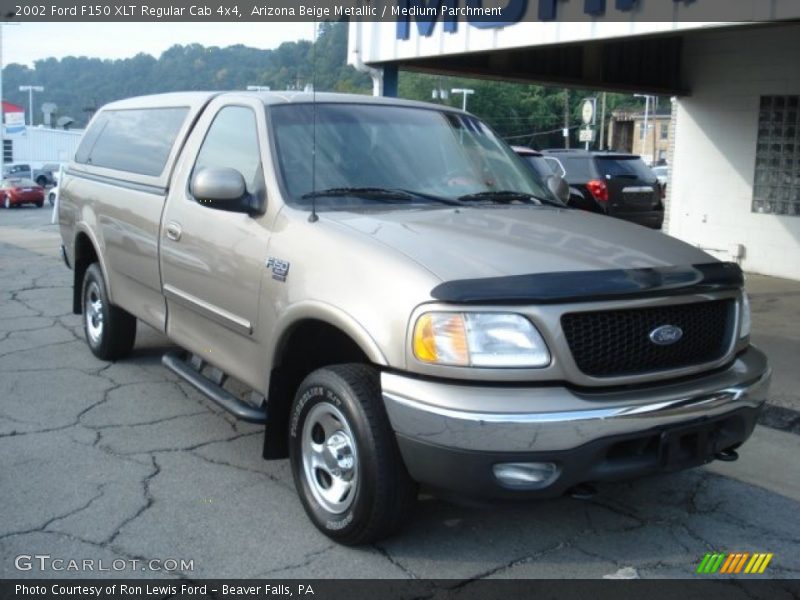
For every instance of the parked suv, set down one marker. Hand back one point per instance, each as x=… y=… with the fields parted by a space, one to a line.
x=407 y=301
x=614 y=184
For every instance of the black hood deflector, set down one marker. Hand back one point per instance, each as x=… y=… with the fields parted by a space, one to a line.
x=585 y=286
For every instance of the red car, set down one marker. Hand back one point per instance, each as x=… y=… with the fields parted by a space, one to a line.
x=15 y=192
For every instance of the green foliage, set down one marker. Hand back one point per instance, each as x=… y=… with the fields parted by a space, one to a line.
x=525 y=114
x=79 y=84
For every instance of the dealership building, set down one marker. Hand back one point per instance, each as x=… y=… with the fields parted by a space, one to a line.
x=734 y=147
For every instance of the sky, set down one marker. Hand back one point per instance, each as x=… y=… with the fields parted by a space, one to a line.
x=27 y=42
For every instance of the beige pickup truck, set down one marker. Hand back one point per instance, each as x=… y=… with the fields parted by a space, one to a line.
x=408 y=302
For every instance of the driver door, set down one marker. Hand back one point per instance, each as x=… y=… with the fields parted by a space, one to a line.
x=212 y=260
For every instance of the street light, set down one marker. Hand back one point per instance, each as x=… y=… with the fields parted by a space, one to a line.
x=466 y=92
x=30 y=89
x=258 y=88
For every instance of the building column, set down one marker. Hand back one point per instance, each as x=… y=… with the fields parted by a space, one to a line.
x=390 y=77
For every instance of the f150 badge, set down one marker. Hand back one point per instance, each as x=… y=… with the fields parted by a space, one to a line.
x=280 y=268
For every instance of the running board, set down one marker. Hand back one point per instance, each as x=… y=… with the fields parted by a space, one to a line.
x=192 y=373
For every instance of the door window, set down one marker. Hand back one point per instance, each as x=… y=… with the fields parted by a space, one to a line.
x=232 y=142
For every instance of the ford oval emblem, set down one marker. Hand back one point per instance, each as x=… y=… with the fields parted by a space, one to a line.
x=666 y=335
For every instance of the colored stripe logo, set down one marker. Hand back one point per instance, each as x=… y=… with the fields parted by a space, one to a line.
x=734 y=563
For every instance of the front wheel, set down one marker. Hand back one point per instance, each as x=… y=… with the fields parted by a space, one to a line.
x=346 y=465
x=110 y=331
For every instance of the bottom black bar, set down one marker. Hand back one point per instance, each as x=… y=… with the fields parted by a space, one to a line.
x=711 y=587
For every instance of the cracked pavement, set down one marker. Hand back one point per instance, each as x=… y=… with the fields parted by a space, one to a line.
x=124 y=461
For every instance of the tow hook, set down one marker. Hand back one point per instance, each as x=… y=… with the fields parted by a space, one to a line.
x=729 y=455
x=583 y=491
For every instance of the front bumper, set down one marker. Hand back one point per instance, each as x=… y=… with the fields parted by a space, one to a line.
x=451 y=435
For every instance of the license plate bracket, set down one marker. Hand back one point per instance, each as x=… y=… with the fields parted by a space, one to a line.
x=687 y=446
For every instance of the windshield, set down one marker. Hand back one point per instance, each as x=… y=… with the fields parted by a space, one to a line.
x=427 y=153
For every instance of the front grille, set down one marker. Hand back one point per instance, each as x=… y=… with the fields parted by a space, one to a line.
x=617 y=342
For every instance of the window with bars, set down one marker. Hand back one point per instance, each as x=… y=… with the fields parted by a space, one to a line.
x=8 y=151
x=776 y=189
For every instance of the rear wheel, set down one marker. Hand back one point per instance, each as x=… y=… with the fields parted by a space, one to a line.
x=110 y=331
x=39 y=204
x=345 y=461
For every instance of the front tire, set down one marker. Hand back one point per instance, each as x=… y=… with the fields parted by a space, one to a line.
x=346 y=465
x=110 y=331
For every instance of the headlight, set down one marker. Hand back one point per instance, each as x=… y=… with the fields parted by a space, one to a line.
x=479 y=340
x=744 y=324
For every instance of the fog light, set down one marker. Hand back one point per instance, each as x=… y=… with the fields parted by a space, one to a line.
x=526 y=476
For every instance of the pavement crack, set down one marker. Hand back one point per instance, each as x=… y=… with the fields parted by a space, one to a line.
x=304 y=562
x=510 y=565
x=43 y=528
x=387 y=555
x=148 y=497
x=223 y=463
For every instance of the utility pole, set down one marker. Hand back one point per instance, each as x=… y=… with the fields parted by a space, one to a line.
x=566 y=119
x=647 y=99
x=602 y=140
x=30 y=89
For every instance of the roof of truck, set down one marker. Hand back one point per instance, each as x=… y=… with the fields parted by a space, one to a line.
x=199 y=99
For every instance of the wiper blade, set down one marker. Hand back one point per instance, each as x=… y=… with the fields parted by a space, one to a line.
x=508 y=196
x=370 y=193
x=381 y=194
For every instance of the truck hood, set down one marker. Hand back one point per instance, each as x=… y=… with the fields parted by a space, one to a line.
x=494 y=241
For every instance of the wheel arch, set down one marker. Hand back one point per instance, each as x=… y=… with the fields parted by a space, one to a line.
x=85 y=252
x=309 y=337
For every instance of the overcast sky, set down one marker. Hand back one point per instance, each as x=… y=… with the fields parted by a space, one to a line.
x=27 y=42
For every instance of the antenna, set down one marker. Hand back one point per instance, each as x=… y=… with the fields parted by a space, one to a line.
x=313 y=218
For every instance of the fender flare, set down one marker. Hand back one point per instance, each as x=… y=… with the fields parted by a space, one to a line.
x=83 y=228
x=327 y=313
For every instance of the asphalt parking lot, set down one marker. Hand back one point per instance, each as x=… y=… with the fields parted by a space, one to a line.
x=106 y=461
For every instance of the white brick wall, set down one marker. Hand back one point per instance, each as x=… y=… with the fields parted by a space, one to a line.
x=713 y=166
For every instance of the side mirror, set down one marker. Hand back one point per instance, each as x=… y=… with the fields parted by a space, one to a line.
x=559 y=187
x=222 y=188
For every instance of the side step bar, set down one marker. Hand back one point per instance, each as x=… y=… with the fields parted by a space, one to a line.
x=192 y=373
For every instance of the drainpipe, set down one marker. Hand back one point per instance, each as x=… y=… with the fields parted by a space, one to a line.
x=360 y=65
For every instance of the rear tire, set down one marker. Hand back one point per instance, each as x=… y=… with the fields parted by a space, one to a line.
x=39 y=204
x=344 y=457
x=110 y=331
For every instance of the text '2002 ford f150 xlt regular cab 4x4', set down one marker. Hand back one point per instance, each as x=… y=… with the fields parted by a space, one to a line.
x=409 y=303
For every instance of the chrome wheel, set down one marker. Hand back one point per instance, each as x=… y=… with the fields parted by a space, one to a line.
x=93 y=312
x=330 y=458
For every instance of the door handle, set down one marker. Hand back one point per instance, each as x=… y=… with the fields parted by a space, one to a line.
x=174 y=231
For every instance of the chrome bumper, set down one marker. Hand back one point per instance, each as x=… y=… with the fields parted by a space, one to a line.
x=551 y=418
